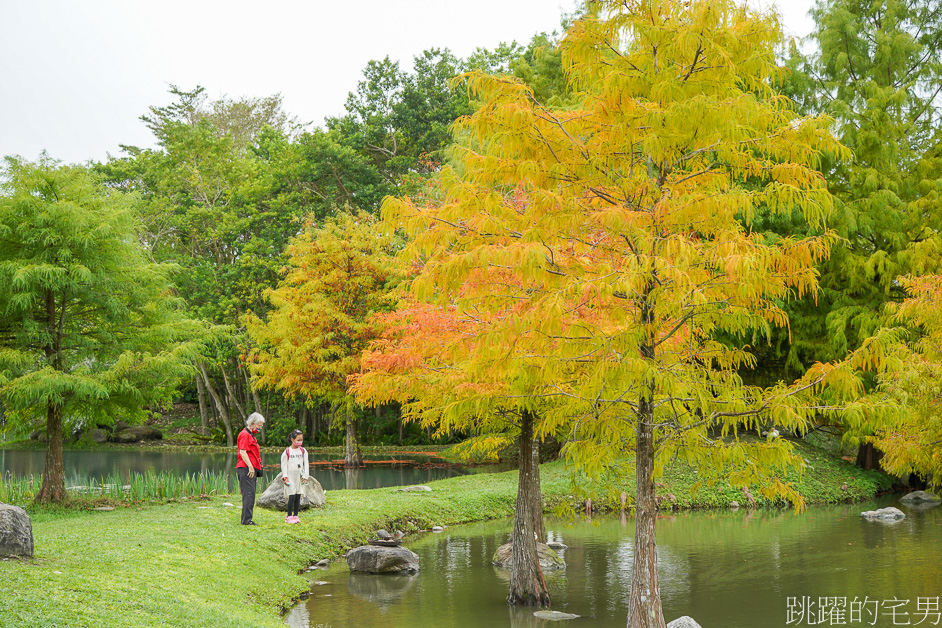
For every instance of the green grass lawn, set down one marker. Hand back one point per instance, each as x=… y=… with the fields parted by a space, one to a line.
x=189 y=563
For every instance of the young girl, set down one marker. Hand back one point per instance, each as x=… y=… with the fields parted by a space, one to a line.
x=294 y=470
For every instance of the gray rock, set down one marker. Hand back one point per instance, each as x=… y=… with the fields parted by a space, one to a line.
x=312 y=495
x=438 y=529
x=554 y=615
x=16 y=532
x=556 y=545
x=920 y=496
x=549 y=559
x=375 y=559
x=414 y=489
x=38 y=435
x=884 y=514
x=136 y=433
x=99 y=435
x=684 y=622
x=734 y=504
x=382 y=534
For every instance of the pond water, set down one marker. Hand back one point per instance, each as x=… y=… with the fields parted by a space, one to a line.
x=85 y=467
x=731 y=569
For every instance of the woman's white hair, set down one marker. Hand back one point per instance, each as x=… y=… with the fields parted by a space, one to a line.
x=254 y=418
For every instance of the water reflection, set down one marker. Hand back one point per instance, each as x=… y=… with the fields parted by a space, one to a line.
x=731 y=569
x=383 y=590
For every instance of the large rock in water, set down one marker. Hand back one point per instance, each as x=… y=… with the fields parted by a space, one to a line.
x=920 y=496
x=16 y=532
x=549 y=559
x=312 y=494
x=375 y=559
x=136 y=433
x=683 y=622
x=884 y=514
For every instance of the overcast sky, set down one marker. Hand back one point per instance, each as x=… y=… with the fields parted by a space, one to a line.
x=76 y=75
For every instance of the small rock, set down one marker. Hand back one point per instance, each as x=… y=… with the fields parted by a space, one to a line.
x=438 y=529
x=684 y=622
x=104 y=508
x=885 y=514
x=554 y=615
x=414 y=489
x=919 y=496
x=228 y=505
x=323 y=563
x=556 y=545
x=382 y=534
x=734 y=504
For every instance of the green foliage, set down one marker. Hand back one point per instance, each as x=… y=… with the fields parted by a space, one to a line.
x=876 y=71
x=119 y=488
x=400 y=121
x=87 y=322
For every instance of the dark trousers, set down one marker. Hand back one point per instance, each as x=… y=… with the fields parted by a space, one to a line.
x=247 y=488
x=294 y=505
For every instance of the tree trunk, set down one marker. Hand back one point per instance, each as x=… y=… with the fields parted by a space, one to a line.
x=232 y=398
x=204 y=411
x=303 y=418
x=349 y=444
x=254 y=393
x=527 y=586
x=536 y=494
x=53 y=488
x=868 y=457
x=220 y=406
x=644 y=603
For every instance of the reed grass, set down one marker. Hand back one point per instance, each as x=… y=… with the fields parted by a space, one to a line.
x=129 y=487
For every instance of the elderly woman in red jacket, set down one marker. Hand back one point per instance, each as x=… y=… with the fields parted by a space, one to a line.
x=249 y=466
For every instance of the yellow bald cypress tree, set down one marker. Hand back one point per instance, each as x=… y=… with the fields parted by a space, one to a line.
x=608 y=246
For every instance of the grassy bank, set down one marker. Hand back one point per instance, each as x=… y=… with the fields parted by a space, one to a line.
x=189 y=563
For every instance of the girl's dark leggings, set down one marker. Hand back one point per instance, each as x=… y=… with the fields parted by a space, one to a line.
x=294 y=505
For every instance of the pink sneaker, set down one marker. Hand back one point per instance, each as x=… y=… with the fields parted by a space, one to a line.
x=289 y=519
x=296 y=519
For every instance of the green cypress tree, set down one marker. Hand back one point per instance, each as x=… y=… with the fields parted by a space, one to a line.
x=88 y=325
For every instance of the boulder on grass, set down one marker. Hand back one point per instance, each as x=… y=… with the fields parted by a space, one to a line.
x=99 y=435
x=549 y=559
x=274 y=498
x=683 y=622
x=136 y=433
x=382 y=560
x=16 y=532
